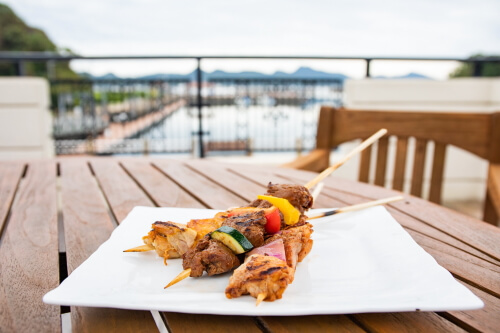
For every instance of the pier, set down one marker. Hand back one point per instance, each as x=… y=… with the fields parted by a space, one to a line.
x=116 y=133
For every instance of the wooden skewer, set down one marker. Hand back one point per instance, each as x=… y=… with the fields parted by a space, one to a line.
x=260 y=298
x=356 y=150
x=358 y=207
x=317 y=191
x=142 y=248
x=184 y=274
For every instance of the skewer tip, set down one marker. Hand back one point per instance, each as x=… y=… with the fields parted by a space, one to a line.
x=142 y=248
x=317 y=190
x=184 y=274
x=260 y=298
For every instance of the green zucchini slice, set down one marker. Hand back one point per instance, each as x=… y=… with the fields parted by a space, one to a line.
x=233 y=239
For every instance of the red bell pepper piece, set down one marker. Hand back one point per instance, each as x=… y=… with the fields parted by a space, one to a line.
x=273 y=218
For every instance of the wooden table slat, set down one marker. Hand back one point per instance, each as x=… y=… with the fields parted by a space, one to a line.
x=484 y=320
x=221 y=175
x=10 y=176
x=462 y=264
x=412 y=224
x=163 y=191
x=339 y=323
x=85 y=212
x=201 y=323
x=425 y=322
x=121 y=192
x=29 y=255
x=199 y=186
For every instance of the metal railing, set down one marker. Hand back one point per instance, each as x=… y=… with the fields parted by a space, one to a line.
x=250 y=109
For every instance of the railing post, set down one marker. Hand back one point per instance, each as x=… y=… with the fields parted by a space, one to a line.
x=20 y=68
x=368 y=61
x=477 y=68
x=200 y=106
x=51 y=69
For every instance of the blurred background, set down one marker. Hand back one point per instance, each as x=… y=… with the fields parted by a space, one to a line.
x=241 y=82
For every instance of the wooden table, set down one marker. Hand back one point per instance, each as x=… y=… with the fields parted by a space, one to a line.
x=54 y=215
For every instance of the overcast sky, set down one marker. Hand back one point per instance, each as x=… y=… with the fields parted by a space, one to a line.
x=440 y=28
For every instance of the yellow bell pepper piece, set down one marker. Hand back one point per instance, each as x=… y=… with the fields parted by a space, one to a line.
x=290 y=214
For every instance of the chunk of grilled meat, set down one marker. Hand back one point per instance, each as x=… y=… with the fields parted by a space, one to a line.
x=170 y=239
x=260 y=275
x=259 y=203
x=297 y=242
x=250 y=278
x=251 y=225
x=209 y=255
x=297 y=195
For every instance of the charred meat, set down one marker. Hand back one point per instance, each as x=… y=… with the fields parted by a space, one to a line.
x=266 y=277
x=297 y=195
x=260 y=275
x=209 y=255
x=251 y=225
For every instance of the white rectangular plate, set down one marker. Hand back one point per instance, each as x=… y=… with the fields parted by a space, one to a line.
x=360 y=262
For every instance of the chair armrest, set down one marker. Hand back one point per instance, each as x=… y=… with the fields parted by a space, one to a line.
x=317 y=160
x=492 y=205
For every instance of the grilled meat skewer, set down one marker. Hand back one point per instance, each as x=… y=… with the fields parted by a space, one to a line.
x=172 y=240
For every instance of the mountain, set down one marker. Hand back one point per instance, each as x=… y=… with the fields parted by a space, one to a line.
x=407 y=76
x=309 y=73
x=303 y=73
x=109 y=76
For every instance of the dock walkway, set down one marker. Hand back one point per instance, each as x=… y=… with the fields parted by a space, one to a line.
x=116 y=133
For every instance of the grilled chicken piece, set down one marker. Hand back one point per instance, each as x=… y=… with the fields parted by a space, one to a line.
x=170 y=239
x=205 y=226
x=266 y=277
x=209 y=255
x=263 y=277
x=297 y=241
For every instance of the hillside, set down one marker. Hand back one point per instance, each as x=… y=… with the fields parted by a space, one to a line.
x=16 y=35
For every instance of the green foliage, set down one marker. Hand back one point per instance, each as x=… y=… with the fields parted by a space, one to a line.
x=15 y=35
x=489 y=69
x=118 y=97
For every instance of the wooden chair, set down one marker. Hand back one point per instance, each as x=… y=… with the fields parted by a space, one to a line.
x=477 y=133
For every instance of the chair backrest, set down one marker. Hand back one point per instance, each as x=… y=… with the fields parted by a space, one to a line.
x=478 y=133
